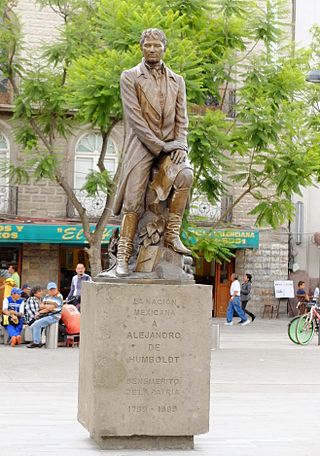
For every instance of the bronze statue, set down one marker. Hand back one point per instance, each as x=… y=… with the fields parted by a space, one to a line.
x=155 y=115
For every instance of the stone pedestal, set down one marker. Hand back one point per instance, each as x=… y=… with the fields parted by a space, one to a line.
x=145 y=364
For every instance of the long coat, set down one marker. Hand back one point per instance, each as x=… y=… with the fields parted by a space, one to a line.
x=147 y=126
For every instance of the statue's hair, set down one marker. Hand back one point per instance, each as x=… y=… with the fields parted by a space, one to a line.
x=154 y=33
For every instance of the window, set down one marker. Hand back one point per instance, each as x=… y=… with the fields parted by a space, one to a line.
x=86 y=160
x=87 y=156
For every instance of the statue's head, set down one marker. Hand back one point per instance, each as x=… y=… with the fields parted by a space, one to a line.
x=153 y=44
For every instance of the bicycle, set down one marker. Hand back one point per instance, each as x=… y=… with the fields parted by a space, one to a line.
x=292 y=329
x=307 y=325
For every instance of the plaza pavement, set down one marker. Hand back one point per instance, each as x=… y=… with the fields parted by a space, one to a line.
x=265 y=399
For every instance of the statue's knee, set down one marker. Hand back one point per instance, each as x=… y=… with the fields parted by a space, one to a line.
x=184 y=178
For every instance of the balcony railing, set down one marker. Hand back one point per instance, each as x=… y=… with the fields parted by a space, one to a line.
x=93 y=204
x=201 y=207
x=8 y=199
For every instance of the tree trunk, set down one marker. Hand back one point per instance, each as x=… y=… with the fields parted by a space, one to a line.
x=94 y=252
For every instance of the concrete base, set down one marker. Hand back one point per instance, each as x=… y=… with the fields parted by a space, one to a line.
x=145 y=442
x=145 y=364
x=52 y=336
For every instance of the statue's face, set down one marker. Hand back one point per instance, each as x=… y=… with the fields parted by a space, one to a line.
x=153 y=50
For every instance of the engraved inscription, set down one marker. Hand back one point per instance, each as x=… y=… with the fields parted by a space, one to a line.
x=146 y=312
x=170 y=359
x=153 y=381
x=154 y=302
x=152 y=391
x=153 y=335
x=153 y=346
x=149 y=409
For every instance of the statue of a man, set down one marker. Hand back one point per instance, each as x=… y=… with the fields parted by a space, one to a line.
x=155 y=115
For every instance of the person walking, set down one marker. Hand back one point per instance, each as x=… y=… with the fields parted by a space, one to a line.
x=235 y=303
x=245 y=294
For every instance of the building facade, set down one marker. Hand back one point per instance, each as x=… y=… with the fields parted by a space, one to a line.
x=305 y=238
x=40 y=230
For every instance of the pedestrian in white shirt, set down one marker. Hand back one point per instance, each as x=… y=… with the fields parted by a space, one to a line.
x=316 y=294
x=76 y=285
x=235 y=303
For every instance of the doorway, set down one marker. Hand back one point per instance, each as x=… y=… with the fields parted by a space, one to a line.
x=70 y=256
x=222 y=287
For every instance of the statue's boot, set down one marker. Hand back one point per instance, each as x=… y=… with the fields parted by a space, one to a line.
x=125 y=244
x=177 y=206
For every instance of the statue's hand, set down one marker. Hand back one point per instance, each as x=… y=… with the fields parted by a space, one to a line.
x=170 y=146
x=178 y=156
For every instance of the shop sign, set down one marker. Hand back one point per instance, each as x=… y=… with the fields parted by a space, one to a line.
x=73 y=234
x=238 y=239
x=48 y=234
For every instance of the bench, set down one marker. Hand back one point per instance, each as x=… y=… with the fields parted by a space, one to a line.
x=52 y=335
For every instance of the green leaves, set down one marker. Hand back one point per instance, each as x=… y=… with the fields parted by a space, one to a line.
x=43 y=99
x=18 y=175
x=94 y=86
x=232 y=57
x=96 y=182
x=45 y=167
x=208 y=140
x=273 y=213
x=205 y=241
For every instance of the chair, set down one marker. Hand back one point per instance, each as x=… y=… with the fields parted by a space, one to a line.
x=73 y=340
x=268 y=308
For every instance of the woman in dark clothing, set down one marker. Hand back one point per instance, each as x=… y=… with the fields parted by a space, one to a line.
x=245 y=294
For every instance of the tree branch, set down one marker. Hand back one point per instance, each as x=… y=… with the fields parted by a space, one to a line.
x=107 y=211
x=105 y=139
x=225 y=92
x=74 y=200
x=247 y=53
x=41 y=135
x=231 y=207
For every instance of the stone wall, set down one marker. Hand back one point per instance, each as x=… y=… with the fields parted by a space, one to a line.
x=266 y=264
x=39 y=25
x=43 y=199
x=40 y=264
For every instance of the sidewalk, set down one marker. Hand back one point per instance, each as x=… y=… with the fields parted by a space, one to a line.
x=265 y=396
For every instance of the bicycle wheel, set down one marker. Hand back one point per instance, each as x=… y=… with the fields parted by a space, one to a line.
x=292 y=330
x=304 y=329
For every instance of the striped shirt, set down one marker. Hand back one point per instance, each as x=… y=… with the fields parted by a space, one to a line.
x=57 y=300
x=31 y=307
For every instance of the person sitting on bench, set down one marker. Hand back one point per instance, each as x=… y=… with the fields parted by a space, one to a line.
x=49 y=314
x=302 y=296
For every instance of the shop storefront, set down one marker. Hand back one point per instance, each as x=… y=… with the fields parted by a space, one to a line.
x=46 y=252
x=218 y=275
x=49 y=252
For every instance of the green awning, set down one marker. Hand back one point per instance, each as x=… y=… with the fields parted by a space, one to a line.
x=48 y=234
x=73 y=234
x=238 y=239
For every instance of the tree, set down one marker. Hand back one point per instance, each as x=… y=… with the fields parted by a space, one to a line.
x=214 y=46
